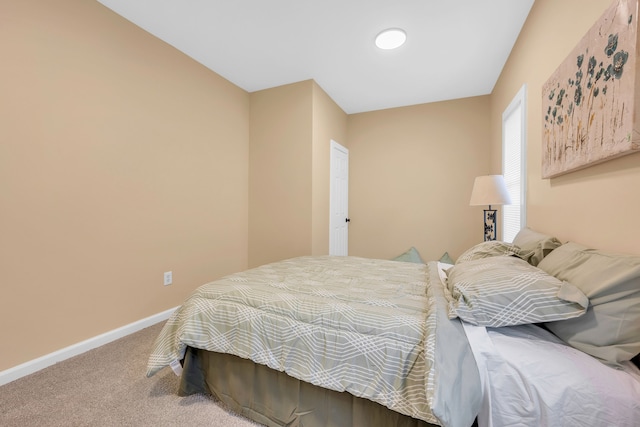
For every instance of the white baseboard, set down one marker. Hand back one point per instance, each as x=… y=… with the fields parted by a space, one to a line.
x=35 y=365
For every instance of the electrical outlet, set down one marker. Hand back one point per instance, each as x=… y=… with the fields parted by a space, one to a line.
x=168 y=278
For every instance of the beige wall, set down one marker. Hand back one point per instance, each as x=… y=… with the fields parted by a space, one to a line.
x=280 y=173
x=597 y=206
x=120 y=158
x=291 y=130
x=411 y=174
x=329 y=123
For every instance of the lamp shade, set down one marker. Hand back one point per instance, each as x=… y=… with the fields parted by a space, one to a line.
x=489 y=190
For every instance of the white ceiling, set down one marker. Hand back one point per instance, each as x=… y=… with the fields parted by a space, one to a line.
x=454 y=49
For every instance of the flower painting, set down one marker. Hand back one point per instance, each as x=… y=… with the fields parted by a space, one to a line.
x=589 y=103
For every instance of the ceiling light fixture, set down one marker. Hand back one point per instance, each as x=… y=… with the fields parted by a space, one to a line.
x=391 y=38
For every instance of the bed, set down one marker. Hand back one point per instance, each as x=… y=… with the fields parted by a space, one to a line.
x=496 y=339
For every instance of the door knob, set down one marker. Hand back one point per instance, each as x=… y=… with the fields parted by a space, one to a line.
x=347 y=220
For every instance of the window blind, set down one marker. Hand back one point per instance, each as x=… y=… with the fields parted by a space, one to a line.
x=514 y=165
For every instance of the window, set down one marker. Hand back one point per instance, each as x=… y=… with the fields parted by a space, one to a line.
x=514 y=164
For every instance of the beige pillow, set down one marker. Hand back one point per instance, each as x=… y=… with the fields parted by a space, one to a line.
x=488 y=249
x=536 y=244
x=610 y=329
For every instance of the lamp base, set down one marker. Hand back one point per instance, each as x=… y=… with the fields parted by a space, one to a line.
x=490 y=224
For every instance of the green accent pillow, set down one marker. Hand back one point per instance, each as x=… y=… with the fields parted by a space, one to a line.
x=411 y=255
x=446 y=259
x=610 y=330
x=507 y=291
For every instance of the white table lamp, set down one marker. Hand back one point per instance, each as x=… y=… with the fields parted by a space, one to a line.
x=489 y=190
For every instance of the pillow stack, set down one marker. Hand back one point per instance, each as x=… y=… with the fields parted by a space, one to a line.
x=588 y=298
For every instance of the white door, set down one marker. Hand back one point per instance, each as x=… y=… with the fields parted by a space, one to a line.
x=339 y=201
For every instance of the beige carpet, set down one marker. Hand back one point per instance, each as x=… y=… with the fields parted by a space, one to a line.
x=108 y=387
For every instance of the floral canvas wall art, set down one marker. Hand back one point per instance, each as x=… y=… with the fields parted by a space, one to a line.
x=589 y=103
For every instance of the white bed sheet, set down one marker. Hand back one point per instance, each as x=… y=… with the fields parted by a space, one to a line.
x=532 y=378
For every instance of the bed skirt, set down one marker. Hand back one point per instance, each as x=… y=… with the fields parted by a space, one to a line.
x=275 y=399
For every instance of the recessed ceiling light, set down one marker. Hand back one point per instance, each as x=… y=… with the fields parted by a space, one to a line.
x=391 y=38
